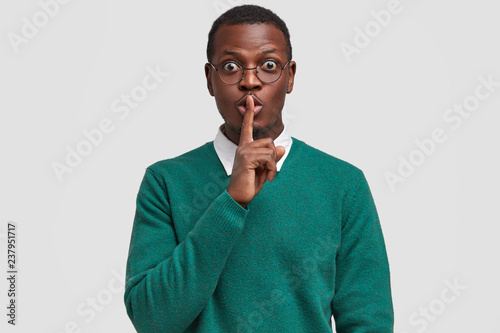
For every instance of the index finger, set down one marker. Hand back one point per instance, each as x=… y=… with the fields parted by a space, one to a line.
x=246 y=135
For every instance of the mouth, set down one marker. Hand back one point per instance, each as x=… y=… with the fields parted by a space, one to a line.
x=242 y=105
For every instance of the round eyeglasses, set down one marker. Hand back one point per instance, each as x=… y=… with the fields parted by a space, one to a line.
x=267 y=71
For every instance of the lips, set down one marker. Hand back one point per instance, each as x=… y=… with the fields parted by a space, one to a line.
x=242 y=105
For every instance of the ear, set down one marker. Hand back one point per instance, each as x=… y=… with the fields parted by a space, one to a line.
x=208 y=75
x=292 y=67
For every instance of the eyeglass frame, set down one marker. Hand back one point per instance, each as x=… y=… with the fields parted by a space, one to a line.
x=250 y=69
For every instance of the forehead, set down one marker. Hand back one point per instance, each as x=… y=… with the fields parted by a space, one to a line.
x=247 y=40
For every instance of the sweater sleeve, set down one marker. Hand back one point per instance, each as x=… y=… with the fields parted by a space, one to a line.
x=362 y=302
x=168 y=284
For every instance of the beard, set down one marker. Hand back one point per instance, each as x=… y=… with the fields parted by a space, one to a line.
x=258 y=131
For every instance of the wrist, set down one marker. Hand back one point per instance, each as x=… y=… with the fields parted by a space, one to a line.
x=242 y=204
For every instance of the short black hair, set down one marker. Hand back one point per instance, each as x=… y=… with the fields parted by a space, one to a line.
x=248 y=14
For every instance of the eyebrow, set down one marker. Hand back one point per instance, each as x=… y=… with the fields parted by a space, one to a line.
x=235 y=53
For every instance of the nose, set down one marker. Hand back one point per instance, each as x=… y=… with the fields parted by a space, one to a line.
x=250 y=80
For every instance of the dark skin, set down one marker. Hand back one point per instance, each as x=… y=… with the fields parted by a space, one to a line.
x=256 y=155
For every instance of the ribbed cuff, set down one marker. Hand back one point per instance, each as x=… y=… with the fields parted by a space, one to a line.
x=226 y=215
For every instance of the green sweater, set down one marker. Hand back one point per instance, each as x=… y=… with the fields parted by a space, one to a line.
x=307 y=247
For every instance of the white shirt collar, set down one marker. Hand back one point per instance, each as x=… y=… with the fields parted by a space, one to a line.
x=226 y=149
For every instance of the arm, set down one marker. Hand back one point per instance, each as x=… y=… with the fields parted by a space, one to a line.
x=362 y=301
x=168 y=284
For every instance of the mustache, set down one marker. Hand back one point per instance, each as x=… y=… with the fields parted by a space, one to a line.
x=243 y=100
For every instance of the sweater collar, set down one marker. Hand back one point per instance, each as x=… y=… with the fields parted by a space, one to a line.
x=226 y=149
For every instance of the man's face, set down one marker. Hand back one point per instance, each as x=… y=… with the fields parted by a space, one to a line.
x=248 y=45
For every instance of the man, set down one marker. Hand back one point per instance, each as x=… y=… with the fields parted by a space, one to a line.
x=255 y=231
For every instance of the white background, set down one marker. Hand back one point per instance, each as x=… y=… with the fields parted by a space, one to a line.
x=440 y=224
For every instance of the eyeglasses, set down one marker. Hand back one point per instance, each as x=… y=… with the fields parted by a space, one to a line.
x=267 y=71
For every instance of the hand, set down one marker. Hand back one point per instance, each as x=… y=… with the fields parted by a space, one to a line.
x=254 y=162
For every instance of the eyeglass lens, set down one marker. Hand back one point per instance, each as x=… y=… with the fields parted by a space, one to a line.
x=267 y=70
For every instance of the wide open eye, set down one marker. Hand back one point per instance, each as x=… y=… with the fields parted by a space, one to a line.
x=231 y=67
x=269 y=66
